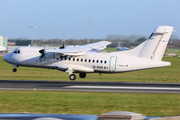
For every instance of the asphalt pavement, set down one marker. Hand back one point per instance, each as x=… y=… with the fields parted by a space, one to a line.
x=127 y=87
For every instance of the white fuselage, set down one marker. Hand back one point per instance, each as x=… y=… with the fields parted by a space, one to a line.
x=90 y=62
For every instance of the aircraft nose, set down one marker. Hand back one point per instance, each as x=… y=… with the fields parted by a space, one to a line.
x=5 y=58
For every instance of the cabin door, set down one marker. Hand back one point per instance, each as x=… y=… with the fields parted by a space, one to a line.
x=112 y=63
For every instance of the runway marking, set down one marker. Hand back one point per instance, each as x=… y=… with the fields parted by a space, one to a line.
x=110 y=87
x=99 y=87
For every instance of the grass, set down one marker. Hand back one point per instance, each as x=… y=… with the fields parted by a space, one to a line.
x=88 y=103
x=111 y=49
x=172 y=50
x=165 y=75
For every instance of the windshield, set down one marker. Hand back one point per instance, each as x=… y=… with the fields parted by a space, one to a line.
x=16 y=51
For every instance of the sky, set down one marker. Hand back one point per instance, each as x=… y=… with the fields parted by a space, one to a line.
x=52 y=18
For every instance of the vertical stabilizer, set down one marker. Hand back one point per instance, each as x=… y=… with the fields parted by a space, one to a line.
x=154 y=47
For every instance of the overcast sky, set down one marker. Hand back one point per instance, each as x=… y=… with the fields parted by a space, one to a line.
x=52 y=18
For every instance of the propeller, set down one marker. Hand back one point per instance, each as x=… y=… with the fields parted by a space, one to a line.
x=42 y=54
x=62 y=47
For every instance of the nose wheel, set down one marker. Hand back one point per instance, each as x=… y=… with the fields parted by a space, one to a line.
x=15 y=66
x=14 y=70
x=72 y=77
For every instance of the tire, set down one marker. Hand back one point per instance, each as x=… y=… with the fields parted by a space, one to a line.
x=14 y=70
x=72 y=77
x=82 y=75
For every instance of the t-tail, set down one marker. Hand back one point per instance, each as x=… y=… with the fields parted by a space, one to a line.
x=154 y=47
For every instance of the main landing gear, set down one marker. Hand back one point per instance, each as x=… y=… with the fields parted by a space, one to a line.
x=82 y=75
x=73 y=76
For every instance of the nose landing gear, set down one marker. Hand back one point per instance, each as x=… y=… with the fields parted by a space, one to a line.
x=14 y=69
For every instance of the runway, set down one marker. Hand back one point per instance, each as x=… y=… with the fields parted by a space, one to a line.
x=127 y=87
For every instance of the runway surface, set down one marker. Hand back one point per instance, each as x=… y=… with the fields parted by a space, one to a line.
x=90 y=86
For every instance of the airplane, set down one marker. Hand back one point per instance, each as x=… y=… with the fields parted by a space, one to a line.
x=81 y=60
x=3 y=49
x=121 y=48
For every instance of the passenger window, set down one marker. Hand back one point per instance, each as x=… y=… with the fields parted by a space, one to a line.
x=65 y=58
x=85 y=60
x=93 y=61
x=89 y=60
x=69 y=59
x=81 y=60
x=78 y=59
x=73 y=59
x=104 y=62
x=101 y=61
x=97 y=61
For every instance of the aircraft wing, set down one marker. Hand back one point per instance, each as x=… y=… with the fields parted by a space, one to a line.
x=80 y=50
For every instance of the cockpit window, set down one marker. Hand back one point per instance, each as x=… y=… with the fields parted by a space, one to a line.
x=16 y=51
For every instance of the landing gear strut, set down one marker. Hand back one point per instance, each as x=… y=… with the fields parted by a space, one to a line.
x=72 y=77
x=82 y=75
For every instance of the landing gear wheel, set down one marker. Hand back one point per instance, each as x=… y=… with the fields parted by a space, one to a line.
x=14 y=70
x=72 y=77
x=82 y=75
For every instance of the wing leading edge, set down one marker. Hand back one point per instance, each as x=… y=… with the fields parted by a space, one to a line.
x=81 y=50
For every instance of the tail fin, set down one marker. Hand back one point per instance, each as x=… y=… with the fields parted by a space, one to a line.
x=154 y=47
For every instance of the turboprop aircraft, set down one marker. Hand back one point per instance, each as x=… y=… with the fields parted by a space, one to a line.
x=83 y=59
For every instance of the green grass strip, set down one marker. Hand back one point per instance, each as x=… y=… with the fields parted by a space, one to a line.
x=88 y=103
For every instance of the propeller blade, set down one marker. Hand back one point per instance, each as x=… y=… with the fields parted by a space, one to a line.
x=62 y=47
x=42 y=54
x=41 y=51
